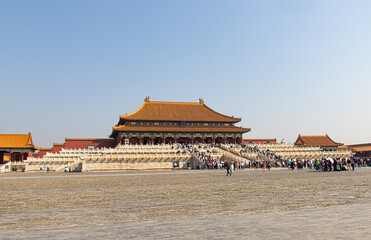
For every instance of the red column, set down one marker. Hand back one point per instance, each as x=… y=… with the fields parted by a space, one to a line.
x=140 y=141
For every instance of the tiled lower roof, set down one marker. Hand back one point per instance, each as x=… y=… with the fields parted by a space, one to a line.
x=126 y=128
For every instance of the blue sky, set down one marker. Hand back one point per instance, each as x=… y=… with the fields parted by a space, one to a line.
x=70 y=68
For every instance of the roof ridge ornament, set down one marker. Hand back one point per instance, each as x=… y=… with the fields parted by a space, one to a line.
x=201 y=101
x=146 y=99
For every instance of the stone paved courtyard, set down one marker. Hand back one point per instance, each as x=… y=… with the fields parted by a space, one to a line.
x=251 y=204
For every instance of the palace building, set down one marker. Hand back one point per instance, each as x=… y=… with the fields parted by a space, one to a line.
x=157 y=122
x=15 y=147
x=361 y=150
x=322 y=141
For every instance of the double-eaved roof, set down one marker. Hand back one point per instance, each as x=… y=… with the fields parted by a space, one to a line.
x=318 y=141
x=159 y=111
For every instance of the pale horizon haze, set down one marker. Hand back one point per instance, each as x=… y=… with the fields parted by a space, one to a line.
x=70 y=68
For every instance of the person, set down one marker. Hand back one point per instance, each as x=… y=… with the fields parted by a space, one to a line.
x=292 y=165
x=311 y=164
x=349 y=164
x=228 y=167
x=317 y=165
x=330 y=166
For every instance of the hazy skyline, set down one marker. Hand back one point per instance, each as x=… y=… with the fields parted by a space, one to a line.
x=70 y=68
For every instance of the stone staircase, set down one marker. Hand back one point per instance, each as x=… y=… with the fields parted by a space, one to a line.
x=262 y=157
x=75 y=166
x=232 y=156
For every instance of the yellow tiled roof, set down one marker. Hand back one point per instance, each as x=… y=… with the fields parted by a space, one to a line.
x=177 y=111
x=365 y=147
x=16 y=141
x=321 y=140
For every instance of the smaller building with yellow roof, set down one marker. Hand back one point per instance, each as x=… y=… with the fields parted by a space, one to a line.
x=15 y=147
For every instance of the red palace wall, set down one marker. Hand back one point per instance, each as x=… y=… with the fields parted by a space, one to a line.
x=57 y=147
x=75 y=143
x=85 y=143
x=259 y=141
x=42 y=152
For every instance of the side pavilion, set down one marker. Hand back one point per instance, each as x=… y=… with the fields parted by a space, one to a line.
x=322 y=141
x=15 y=147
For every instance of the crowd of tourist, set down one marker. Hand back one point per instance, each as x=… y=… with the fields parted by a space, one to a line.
x=208 y=161
x=323 y=165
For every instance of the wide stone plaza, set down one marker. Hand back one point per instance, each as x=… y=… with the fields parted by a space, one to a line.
x=195 y=204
